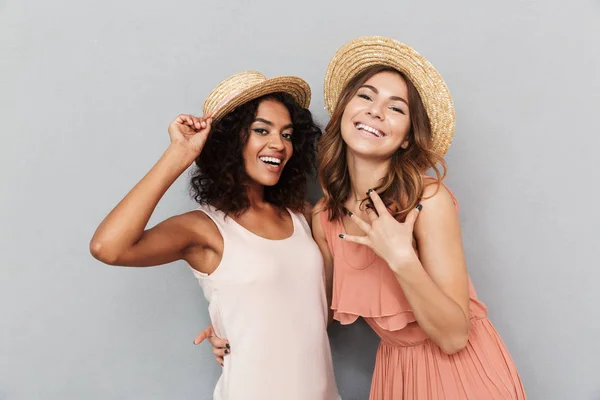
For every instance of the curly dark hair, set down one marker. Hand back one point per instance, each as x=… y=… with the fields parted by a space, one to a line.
x=220 y=178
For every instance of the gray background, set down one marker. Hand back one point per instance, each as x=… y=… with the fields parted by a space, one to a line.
x=88 y=88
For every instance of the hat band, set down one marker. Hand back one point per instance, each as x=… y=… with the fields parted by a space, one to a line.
x=225 y=100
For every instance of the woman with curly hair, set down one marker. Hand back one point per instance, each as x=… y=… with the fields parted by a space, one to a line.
x=248 y=244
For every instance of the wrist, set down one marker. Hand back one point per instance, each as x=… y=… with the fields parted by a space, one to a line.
x=181 y=155
x=404 y=261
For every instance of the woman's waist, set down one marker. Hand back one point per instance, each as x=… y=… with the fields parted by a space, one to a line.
x=296 y=361
x=411 y=335
x=275 y=331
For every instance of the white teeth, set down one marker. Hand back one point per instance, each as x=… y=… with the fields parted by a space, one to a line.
x=271 y=160
x=370 y=130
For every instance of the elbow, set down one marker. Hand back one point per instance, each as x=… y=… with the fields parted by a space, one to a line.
x=454 y=343
x=101 y=253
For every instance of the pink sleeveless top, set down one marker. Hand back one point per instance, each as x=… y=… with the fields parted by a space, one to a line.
x=267 y=297
x=408 y=364
x=365 y=286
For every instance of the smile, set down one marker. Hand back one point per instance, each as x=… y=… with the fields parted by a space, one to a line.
x=270 y=160
x=369 y=129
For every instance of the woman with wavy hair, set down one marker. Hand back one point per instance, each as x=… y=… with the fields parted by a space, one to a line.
x=248 y=244
x=390 y=234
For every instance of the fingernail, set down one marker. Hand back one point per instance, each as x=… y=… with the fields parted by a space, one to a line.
x=419 y=207
x=226 y=351
x=369 y=191
x=227 y=345
x=341 y=235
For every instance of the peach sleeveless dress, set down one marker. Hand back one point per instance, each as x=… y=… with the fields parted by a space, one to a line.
x=409 y=365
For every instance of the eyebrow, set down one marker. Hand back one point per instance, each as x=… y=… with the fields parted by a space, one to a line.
x=264 y=121
x=374 y=89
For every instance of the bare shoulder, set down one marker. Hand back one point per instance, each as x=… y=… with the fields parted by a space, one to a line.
x=319 y=207
x=317 y=210
x=435 y=192
x=439 y=207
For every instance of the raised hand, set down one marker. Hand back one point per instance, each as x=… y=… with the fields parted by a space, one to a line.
x=190 y=132
x=391 y=240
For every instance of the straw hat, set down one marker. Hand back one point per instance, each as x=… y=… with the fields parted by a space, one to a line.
x=245 y=86
x=364 y=52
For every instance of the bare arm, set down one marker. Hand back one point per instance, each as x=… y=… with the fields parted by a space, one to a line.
x=435 y=282
x=121 y=238
x=321 y=240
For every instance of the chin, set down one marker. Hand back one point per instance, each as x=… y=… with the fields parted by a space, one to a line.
x=270 y=183
x=267 y=180
x=364 y=148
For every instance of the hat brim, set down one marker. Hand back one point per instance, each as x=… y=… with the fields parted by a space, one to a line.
x=292 y=85
x=362 y=53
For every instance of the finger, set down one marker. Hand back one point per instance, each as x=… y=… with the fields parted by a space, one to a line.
x=220 y=360
x=185 y=119
x=377 y=202
x=364 y=226
x=181 y=118
x=364 y=240
x=207 y=126
x=199 y=138
x=220 y=352
x=411 y=217
x=372 y=214
x=203 y=120
x=197 y=122
x=219 y=343
x=206 y=333
x=207 y=115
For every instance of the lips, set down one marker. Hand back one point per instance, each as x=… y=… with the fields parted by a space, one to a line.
x=273 y=163
x=373 y=131
x=271 y=160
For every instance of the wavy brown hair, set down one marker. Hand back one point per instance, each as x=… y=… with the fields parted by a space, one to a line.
x=401 y=189
x=220 y=178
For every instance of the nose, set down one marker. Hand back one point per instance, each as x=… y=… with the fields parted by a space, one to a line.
x=375 y=111
x=276 y=142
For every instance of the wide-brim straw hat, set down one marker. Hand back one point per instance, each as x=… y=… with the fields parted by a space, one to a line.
x=246 y=86
x=364 y=52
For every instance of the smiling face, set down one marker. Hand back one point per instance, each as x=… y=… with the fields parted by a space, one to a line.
x=379 y=129
x=269 y=145
x=376 y=121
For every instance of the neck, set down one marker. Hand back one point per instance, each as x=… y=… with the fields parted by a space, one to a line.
x=256 y=195
x=364 y=174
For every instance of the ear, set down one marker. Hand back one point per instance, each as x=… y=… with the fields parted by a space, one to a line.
x=404 y=144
